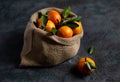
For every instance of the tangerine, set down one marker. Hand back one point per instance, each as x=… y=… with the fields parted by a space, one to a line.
x=49 y=26
x=78 y=29
x=65 y=32
x=39 y=22
x=54 y=16
x=82 y=67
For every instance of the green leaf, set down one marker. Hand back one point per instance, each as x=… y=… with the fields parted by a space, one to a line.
x=66 y=12
x=88 y=65
x=44 y=21
x=78 y=19
x=39 y=14
x=72 y=19
x=91 y=49
x=54 y=30
x=92 y=66
x=72 y=24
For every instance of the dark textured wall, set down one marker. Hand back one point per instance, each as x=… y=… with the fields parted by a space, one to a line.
x=101 y=22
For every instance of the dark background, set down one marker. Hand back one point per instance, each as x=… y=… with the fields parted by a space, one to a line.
x=101 y=23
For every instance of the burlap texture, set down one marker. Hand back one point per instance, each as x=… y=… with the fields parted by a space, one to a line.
x=43 y=49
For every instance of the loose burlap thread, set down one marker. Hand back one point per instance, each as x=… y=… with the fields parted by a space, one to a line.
x=42 y=49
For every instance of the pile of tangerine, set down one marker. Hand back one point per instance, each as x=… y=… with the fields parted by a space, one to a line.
x=60 y=23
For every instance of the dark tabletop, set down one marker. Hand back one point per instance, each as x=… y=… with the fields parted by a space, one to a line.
x=101 y=24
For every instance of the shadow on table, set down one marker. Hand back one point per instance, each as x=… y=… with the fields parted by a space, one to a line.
x=10 y=48
x=74 y=71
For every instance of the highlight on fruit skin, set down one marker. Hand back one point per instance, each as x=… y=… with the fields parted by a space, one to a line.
x=86 y=65
x=65 y=32
x=54 y=16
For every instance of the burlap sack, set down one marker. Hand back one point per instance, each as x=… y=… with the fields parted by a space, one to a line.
x=43 y=49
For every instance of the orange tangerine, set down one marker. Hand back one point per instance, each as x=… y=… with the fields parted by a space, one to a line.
x=54 y=16
x=65 y=32
x=49 y=26
x=39 y=22
x=82 y=67
x=78 y=29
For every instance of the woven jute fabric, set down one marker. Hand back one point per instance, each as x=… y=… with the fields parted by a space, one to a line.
x=44 y=49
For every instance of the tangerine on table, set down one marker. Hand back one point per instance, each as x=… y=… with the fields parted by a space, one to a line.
x=65 y=32
x=78 y=29
x=49 y=26
x=54 y=16
x=82 y=67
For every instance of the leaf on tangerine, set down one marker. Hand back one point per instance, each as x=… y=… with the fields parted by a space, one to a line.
x=88 y=65
x=92 y=66
x=44 y=20
x=66 y=12
x=54 y=30
x=76 y=18
x=72 y=24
